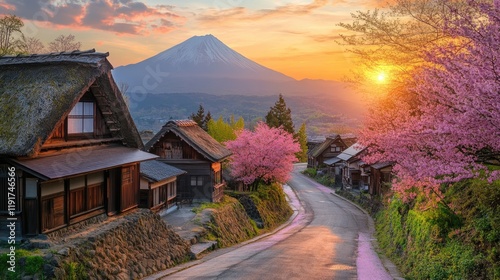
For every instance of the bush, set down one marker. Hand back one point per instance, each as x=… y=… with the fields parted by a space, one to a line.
x=311 y=172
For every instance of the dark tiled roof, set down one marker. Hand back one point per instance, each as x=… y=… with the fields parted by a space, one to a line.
x=351 y=152
x=331 y=161
x=195 y=136
x=348 y=139
x=38 y=91
x=158 y=171
x=318 y=149
x=380 y=165
x=88 y=159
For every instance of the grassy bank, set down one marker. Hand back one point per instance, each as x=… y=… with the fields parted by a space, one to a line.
x=27 y=263
x=457 y=238
x=243 y=215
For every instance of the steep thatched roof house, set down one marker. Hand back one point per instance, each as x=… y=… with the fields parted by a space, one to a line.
x=187 y=146
x=330 y=148
x=67 y=132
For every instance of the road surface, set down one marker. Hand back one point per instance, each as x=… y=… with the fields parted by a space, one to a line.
x=326 y=240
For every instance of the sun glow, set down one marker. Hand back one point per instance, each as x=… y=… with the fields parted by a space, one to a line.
x=381 y=77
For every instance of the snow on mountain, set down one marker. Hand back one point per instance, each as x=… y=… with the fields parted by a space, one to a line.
x=206 y=65
x=200 y=64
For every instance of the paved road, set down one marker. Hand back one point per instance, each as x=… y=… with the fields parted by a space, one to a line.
x=320 y=243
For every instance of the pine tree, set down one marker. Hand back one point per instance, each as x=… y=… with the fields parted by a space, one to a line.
x=301 y=137
x=280 y=116
x=199 y=117
x=207 y=119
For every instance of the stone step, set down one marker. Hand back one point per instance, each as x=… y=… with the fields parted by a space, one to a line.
x=199 y=248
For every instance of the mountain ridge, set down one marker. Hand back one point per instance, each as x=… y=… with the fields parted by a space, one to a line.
x=205 y=64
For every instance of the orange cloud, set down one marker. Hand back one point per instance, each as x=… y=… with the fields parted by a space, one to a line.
x=119 y=16
x=241 y=13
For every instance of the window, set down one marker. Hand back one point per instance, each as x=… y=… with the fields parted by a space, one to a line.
x=334 y=148
x=159 y=195
x=172 y=190
x=52 y=212
x=86 y=193
x=81 y=118
x=196 y=181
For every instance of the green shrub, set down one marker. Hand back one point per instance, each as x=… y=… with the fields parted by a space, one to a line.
x=311 y=172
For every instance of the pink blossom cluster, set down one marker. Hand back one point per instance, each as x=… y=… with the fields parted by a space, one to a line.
x=447 y=126
x=265 y=154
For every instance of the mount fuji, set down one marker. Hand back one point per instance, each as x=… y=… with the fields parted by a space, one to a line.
x=203 y=64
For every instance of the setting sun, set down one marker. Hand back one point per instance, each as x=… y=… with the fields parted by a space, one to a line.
x=381 y=77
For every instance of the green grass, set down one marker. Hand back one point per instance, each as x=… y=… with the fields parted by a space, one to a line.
x=457 y=238
x=33 y=265
x=210 y=205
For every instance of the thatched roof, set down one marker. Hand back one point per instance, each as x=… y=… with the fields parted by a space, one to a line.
x=38 y=91
x=195 y=136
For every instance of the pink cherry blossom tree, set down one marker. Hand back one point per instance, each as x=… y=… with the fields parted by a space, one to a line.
x=447 y=128
x=266 y=154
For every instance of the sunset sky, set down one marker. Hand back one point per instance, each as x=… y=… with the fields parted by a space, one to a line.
x=295 y=37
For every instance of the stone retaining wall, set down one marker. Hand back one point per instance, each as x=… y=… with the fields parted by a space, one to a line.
x=129 y=248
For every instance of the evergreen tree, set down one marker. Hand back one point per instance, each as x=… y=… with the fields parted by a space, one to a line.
x=280 y=115
x=301 y=137
x=199 y=117
x=207 y=118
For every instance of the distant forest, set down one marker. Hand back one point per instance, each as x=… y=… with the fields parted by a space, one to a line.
x=322 y=114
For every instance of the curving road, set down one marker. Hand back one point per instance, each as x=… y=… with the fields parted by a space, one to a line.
x=324 y=241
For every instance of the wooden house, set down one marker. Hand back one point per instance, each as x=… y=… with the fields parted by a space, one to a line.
x=66 y=131
x=158 y=185
x=380 y=175
x=330 y=148
x=185 y=145
x=353 y=169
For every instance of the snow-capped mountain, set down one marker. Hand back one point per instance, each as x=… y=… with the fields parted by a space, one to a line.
x=201 y=64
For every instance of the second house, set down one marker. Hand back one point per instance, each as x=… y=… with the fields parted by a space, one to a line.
x=185 y=145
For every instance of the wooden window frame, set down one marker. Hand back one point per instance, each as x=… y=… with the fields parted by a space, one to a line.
x=82 y=117
x=199 y=181
x=51 y=197
x=86 y=204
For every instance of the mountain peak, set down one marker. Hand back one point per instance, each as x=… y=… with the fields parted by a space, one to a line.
x=206 y=62
x=204 y=50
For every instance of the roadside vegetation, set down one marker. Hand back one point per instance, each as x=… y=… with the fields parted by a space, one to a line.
x=30 y=262
x=241 y=216
x=430 y=70
x=261 y=161
x=320 y=177
x=458 y=238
